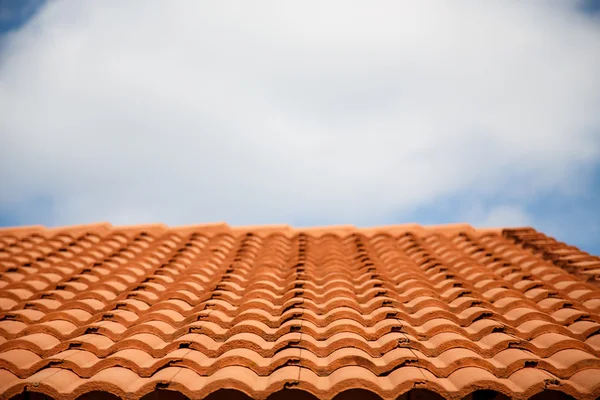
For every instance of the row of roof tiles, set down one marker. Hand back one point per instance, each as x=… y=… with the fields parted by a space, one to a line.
x=451 y=309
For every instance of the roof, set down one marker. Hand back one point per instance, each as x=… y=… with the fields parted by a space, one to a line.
x=280 y=311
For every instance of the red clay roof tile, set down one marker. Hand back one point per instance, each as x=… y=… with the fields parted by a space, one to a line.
x=260 y=309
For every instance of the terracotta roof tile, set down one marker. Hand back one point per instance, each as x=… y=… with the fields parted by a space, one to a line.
x=150 y=309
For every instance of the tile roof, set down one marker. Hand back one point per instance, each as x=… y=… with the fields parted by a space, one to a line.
x=273 y=310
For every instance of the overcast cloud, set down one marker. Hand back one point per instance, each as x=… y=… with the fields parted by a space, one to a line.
x=298 y=112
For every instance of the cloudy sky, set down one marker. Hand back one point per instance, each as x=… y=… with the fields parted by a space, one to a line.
x=306 y=113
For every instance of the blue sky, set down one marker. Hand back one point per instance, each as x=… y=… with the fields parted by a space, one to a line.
x=306 y=115
x=15 y=13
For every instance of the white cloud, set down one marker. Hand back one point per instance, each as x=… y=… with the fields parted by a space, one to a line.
x=275 y=111
x=499 y=217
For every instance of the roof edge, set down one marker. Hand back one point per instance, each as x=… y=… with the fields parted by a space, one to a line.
x=223 y=227
x=570 y=258
x=24 y=228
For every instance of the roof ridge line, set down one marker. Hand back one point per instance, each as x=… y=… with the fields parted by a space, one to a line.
x=222 y=226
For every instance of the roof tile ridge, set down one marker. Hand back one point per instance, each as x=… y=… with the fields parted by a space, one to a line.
x=22 y=230
x=454 y=228
x=391 y=229
x=444 y=229
x=98 y=227
x=49 y=231
x=151 y=229
x=339 y=230
x=488 y=230
x=210 y=227
x=262 y=229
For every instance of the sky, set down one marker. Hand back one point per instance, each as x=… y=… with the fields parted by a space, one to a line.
x=302 y=113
